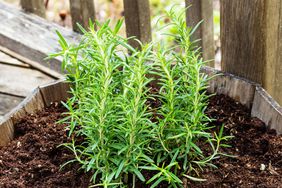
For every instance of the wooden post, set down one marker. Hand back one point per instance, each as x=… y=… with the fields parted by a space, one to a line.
x=251 y=40
x=34 y=6
x=81 y=12
x=137 y=20
x=202 y=10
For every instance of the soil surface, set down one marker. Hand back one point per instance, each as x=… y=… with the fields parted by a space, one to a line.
x=33 y=158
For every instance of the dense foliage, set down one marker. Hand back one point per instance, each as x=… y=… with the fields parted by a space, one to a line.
x=138 y=112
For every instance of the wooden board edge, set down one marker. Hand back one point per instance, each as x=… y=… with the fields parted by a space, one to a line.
x=211 y=70
x=6 y=131
x=34 y=102
x=27 y=24
x=31 y=104
x=56 y=91
x=31 y=63
x=267 y=109
x=231 y=85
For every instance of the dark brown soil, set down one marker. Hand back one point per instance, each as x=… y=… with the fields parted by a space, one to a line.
x=33 y=158
x=258 y=149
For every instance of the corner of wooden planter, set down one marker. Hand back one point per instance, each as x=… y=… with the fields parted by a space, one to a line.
x=39 y=98
x=267 y=109
x=31 y=104
x=55 y=92
x=240 y=89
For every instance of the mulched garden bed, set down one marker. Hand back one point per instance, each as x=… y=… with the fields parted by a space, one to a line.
x=33 y=159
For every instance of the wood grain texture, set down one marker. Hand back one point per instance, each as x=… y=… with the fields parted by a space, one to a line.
x=31 y=104
x=277 y=92
x=235 y=87
x=6 y=131
x=34 y=6
x=202 y=10
x=7 y=59
x=137 y=20
x=20 y=81
x=31 y=36
x=81 y=12
x=252 y=47
x=268 y=110
x=8 y=102
x=55 y=92
x=242 y=39
x=17 y=58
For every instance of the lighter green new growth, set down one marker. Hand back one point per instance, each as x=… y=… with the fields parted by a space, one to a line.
x=135 y=113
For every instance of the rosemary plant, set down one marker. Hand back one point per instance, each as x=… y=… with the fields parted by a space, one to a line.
x=117 y=131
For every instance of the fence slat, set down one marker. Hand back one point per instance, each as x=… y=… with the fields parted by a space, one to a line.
x=202 y=10
x=34 y=6
x=137 y=20
x=81 y=12
x=251 y=33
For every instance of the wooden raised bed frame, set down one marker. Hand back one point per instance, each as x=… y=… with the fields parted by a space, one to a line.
x=248 y=93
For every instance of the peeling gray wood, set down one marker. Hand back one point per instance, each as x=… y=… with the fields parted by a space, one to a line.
x=235 y=87
x=267 y=109
x=31 y=36
x=20 y=81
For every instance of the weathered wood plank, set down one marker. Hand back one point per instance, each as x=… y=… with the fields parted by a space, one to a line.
x=235 y=87
x=31 y=104
x=202 y=10
x=137 y=20
x=8 y=102
x=29 y=63
x=20 y=81
x=34 y=6
x=276 y=64
x=6 y=59
x=266 y=109
x=31 y=36
x=81 y=12
x=242 y=39
x=252 y=47
x=61 y=93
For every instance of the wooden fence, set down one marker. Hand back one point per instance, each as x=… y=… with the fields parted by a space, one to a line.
x=251 y=33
